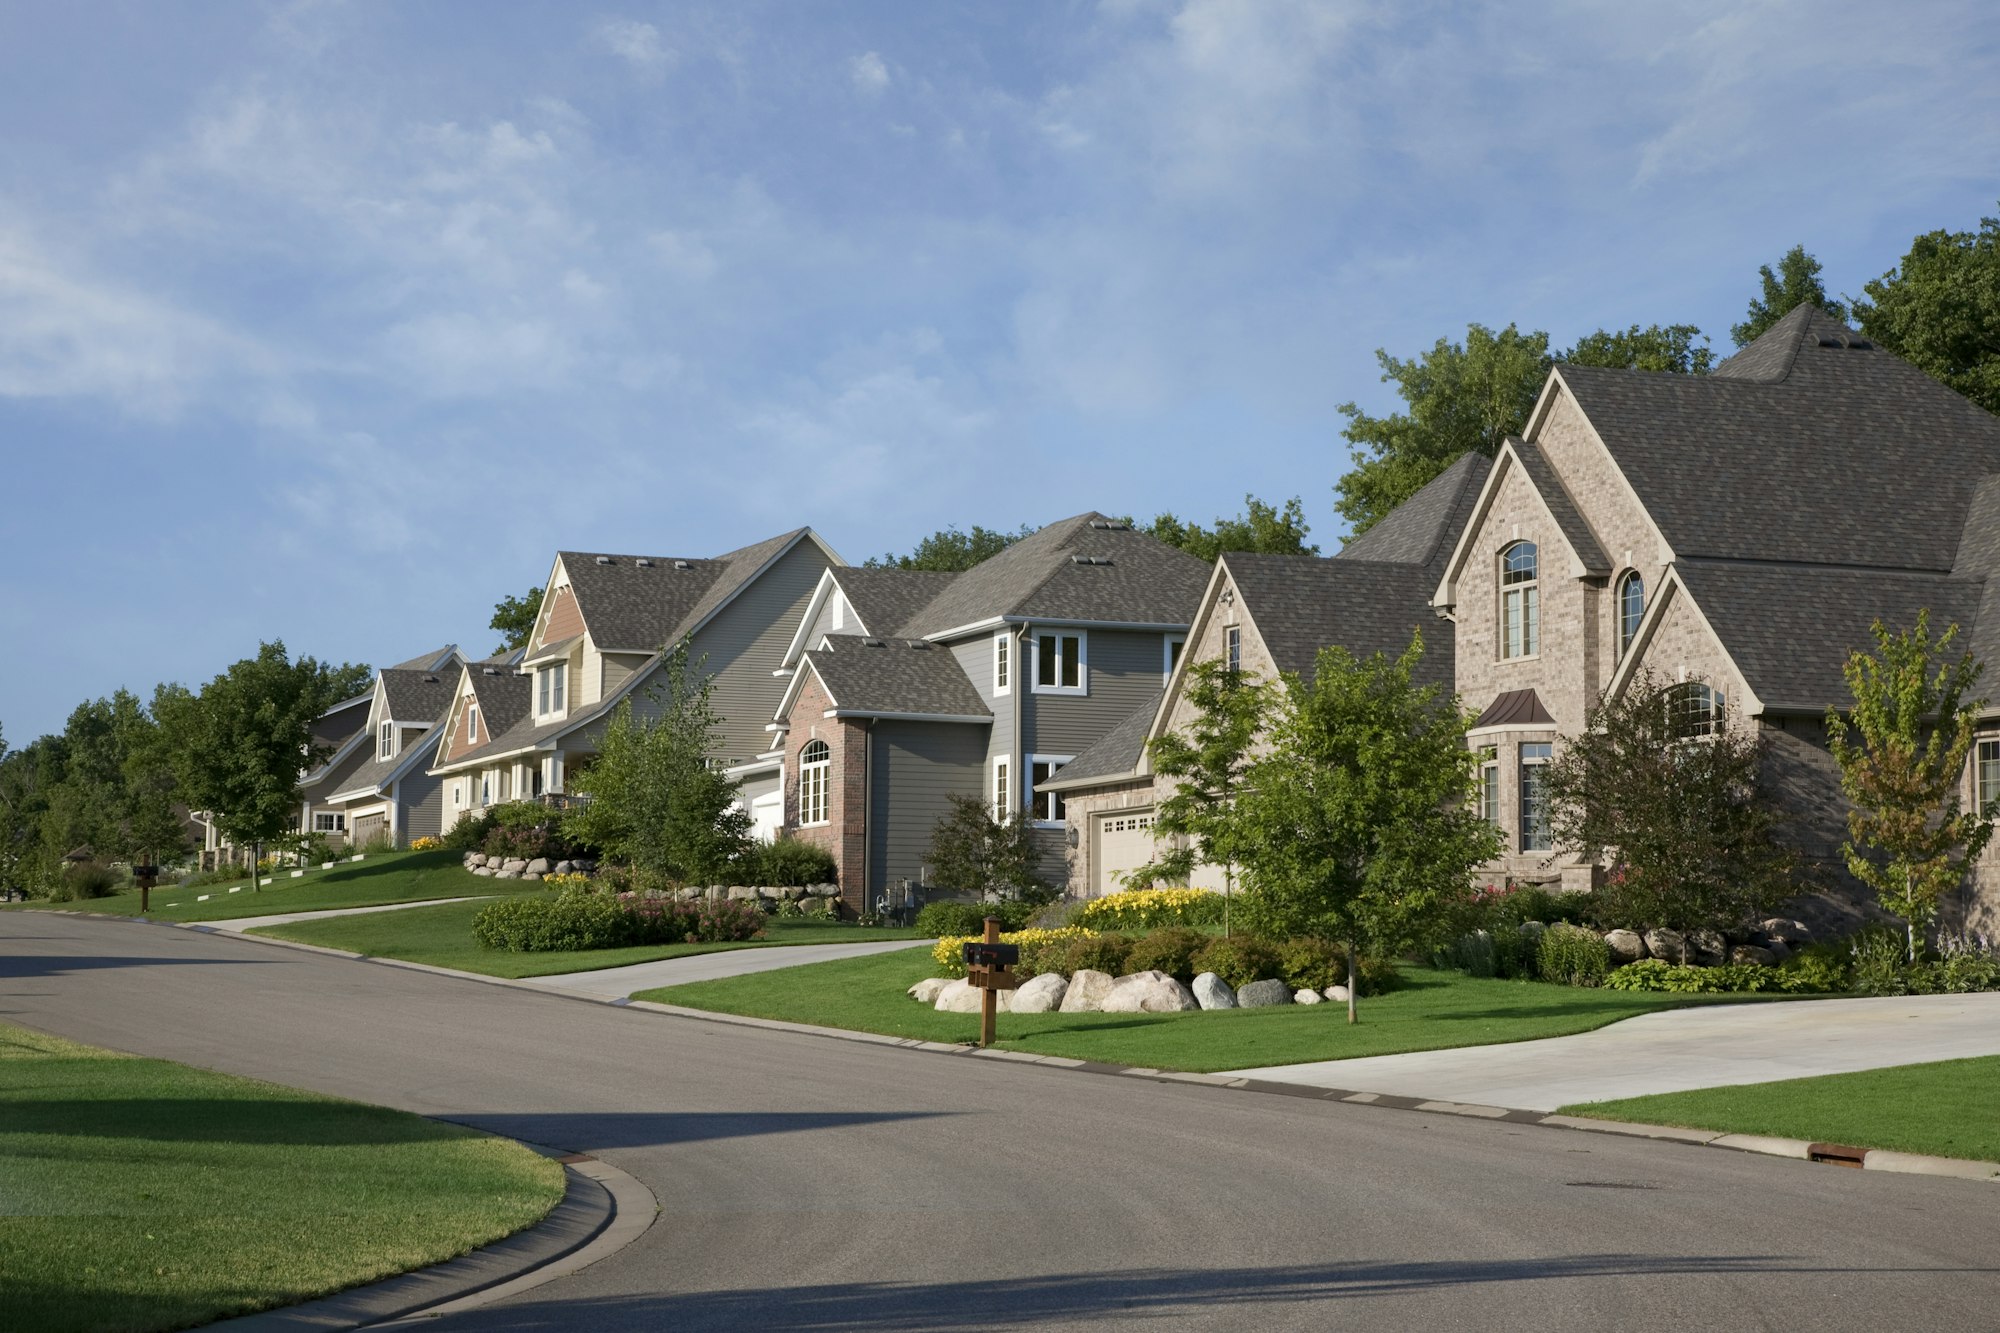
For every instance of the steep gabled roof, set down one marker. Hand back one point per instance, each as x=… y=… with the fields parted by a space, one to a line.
x=886 y=599
x=870 y=677
x=416 y=695
x=1301 y=603
x=1811 y=445
x=1423 y=529
x=506 y=704
x=438 y=659
x=1115 y=755
x=641 y=603
x=1089 y=568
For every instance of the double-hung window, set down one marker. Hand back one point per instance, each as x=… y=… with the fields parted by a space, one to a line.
x=1003 y=662
x=385 y=741
x=1489 y=784
x=1520 y=602
x=1535 y=834
x=551 y=684
x=1233 y=648
x=1003 y=787
x=1987 y=771
x=1059 y=664
x=329 y=821
x=815 y=771
x=1048 y=806
x=472 y=724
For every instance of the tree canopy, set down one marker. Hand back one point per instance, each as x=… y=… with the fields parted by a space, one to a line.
x=950 y=551
x=1795 y=283
x=1263 y=527
x=514 y=618
x=1939 y=309
x=1469 y=396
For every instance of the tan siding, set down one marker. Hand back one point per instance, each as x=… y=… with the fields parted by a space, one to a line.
x=745 y=643
x=564 y=619
x=617 y=669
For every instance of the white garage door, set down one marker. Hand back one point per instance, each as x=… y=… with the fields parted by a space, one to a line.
x=1124 y=843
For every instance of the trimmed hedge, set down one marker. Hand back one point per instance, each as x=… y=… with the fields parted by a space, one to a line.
x=575 y=920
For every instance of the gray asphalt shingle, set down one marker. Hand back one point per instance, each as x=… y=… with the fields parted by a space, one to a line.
x=1303 y=603
x=887 y=675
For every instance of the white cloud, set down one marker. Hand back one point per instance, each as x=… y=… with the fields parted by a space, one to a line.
x=683 y=255
x=869 y=73
x=637 y=43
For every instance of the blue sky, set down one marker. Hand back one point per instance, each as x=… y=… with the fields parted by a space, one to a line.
x=331 y=322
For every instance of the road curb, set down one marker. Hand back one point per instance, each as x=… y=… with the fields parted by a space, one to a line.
x=602 y=1211
x=1875 y=1159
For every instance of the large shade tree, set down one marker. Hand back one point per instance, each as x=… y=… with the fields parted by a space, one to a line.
x=1939 y=309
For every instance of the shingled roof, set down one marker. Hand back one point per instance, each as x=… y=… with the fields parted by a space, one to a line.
x=1116 y=754
x=1810 y=445
x=871 y=677
x=886 y=599
x=1088 y=568
x=1302 y=603
x=414 y=696
x=641 y=603
x=1423 y=529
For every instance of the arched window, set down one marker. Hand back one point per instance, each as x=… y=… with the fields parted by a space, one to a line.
x=1520 y=602
x=815 y=767
x=1693 y=709
x=1631 y=606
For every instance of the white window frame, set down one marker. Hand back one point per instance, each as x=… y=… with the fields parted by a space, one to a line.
x=1082 y=637
x=1003 y=662
x=1167 y=646
x=1984 y=747
x=1232 y=648
x=472 y=724
x=1000 y=786
x=552 y=689
x=815 y=785
x=1625 y=634
x=485 y=789
x=387 y=741
x=336 y=821
x=1055 y=763
x=1490 y=808
x=839 y=612
x=1527 y=595
x=1523 y=761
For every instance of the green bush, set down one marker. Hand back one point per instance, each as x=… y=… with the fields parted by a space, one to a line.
x=1473 y=954
x=1311 y=964
x=959 y=918
x=1818 y=969
x=1879 y=965
x=1572 y=956
x=525 y=924
x=1170 y=950
x=1102 y=953
x=1238 y=960
x=1966 y=972
x=1378 y=976
x=789 y=863
x=1656 y=974
x=220 y=875
x=469 y=834
x=1536 y=904
x=1516 y=953
x=89 y=880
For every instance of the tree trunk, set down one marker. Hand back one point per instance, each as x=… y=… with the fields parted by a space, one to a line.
x=1228 y=892
x=1909 y=916
x=256 y=865
x=1353 y=980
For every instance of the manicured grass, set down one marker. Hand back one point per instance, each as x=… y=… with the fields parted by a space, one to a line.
x=384 y=877
x=140 y=1194
x=1947 y=1109
x=1437 y=1009
x=442 y=937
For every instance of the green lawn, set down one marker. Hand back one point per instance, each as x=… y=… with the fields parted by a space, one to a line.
x=442 y=937
x=385 y=877
x=1947 y=1109
x=139 y=1194
x=1437 y=1009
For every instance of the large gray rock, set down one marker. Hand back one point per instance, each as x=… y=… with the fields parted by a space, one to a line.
x=483 y=870
x=1750 y=953
x=1709 y=948
x=1087 y=989
x=1148 y=993
x=1778 y=949
x=1667 y=945
x=822 y=890
x=529 y=874
x=794 y=892
x=926 y=991
x=962 y=997
x=1041 y=994
x=541 y=865
x=1627 y=946
x=564 y=868
x=1212 y=992
x=584 y=864
x=740 y=894
x=506 y=874
x=516 y=866
x=1795 y=933
x=475 y=859
x=770 y=894
x=1264 y=994
x=1307 y=997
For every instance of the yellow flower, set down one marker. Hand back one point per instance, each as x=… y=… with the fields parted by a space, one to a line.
x=949 y=952
x=1148 y=908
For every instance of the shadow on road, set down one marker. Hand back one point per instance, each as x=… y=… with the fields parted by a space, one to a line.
x=1148 y=1293
x=587 y=1131
x=22 y=967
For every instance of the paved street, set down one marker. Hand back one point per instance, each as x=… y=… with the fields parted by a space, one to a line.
x=809 y=1183
x=1676 y=1050
x=615 y=982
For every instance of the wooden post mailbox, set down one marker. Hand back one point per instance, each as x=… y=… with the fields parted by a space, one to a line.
x=145 y=875
x=989 y=967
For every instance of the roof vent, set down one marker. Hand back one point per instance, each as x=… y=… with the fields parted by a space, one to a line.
x=643 y=563
x=918 y=645
x=429 y=679
x=603 y=559
x=1860 y=345
x=1828 y=340
x=873 y=643
x=489 y=671
x=1090 y=560
x=682 y=564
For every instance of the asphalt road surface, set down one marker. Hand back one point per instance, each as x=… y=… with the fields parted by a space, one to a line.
x=811 y=1183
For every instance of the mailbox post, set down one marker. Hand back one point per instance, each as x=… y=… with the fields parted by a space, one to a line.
x=989 y=966
x=146 y=876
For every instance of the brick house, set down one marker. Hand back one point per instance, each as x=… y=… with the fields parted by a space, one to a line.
x=520 y=731
x=1736 y=532
x=1267 y=615
x=906 y=688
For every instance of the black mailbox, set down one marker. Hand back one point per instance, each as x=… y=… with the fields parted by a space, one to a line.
x=978 y=954
x=145 y=872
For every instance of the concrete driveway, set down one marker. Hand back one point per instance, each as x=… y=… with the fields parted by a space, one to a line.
x=616 y=982
x=1677 y=1050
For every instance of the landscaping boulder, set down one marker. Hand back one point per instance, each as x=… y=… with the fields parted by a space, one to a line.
x=1212 y=992
x=1750 y=953
x=1264 y=994
x=1667 y=945
x=483 y=870
x=506 y=874
x=1627 y=946
x=541 y=865
x=1708 y=946
x=822 y=890
x=516 y=866
x=926 y=991
x=1041 y=994
x=1307 y=997
x=770 y=894
x=1795 y=933
x=794 y=892
x=584 y=865
x=1778 y=950
x=1087 y=989
x=475 y=858
x=529 y=874
x=962 y=997
x=1148 y=993
x=564 y=868
x=1338 y=994
x=1534 y=929
x=740 y=894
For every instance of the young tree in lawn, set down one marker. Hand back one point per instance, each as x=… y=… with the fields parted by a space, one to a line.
x=1358 y=825
x=973 y=852
x=1205 y=767
x=656 y=800
x=1902 y=749
x=1667 y=794
x=240 y=746
x=515 y=617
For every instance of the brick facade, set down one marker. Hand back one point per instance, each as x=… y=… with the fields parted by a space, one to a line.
x=845 y=834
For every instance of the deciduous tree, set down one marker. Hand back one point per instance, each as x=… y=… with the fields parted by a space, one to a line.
x=515 y=617
x=971 y=851
x=1795 y=283
x=1263 y=528
x=1939 y=309
x=951 y=551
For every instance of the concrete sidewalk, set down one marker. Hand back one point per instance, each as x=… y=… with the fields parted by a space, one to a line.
x=618 y=982
x=1677 y=1050
x=237 y=925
